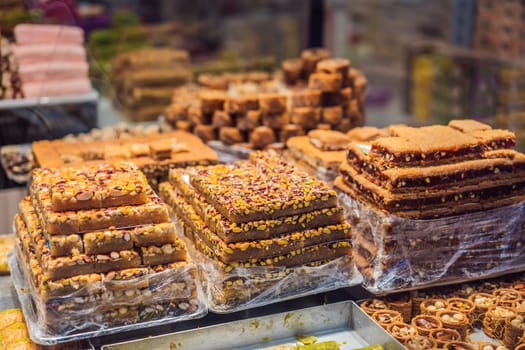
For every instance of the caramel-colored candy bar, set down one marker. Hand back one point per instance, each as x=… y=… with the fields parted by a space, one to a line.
x=311 y=56
x=272 y=103
x=221 y=119
x=306 y=117
x=306 y=98
x=63 y=245
x=250 y=121
x=329 y=140
x=332 y=115
x=136 y=277
x=276 y=121
x=258 y=198
x=152 y=212
x=205 y=132
x=261 y=137
x=76 y=285
x=292 y=70
x=167 y=253
x=67 y=266
x=326 y=82
x=153 y=234
x=116 y=260
x=212 y=100
x=290 y=130
x=230 y=135
x=242 y=104
x=101 y=242
x=335 y=65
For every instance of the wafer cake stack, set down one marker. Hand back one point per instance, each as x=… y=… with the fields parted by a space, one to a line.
x=264 y=227
x=100 y=249
x=448 y=192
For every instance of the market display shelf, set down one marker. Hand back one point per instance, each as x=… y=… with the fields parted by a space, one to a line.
x=343 y=322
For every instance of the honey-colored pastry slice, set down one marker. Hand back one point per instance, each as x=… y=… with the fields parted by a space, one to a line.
x=272 y=103
x=306 y=117
x=250 y=121
x=292 y=70
x=328 y=140
x=306 y=98
x=230 y=135
x=311 y=56
x=261 y=137
x=205 y=132
x=326 y=82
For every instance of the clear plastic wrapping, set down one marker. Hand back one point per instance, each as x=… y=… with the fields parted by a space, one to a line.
x=108 y=305
x=233 y=288
x=395 y=254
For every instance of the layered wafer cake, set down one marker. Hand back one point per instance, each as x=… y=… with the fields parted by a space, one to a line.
x=99 y=250
x=264 y=230
x=452 y=192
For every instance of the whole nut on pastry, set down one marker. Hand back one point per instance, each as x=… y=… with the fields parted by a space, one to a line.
x=439 y=304
x=84 y=195
x=114 y=255
x=127 y=237
x=102 y=257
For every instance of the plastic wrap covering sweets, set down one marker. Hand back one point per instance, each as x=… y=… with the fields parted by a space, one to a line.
x=432 y=205
x=259 y=233
x=393 y=253
x=88 y=267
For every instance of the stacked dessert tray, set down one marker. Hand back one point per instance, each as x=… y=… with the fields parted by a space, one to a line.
x=259 y=231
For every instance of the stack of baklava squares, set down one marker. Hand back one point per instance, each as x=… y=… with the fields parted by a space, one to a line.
x=98 y=250
x=263 y=229
x=436 y=203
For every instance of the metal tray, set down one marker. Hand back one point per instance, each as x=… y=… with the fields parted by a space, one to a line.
x=343 y=322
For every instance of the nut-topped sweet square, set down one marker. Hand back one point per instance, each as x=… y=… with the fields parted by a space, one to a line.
x=265 y=185
x=92 y=187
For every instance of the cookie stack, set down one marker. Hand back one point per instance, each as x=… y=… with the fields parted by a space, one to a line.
x=100 y=250
x=335 y=96
x=263 y=229
x=407 y=185
x=10 y=85
x=144 y=80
